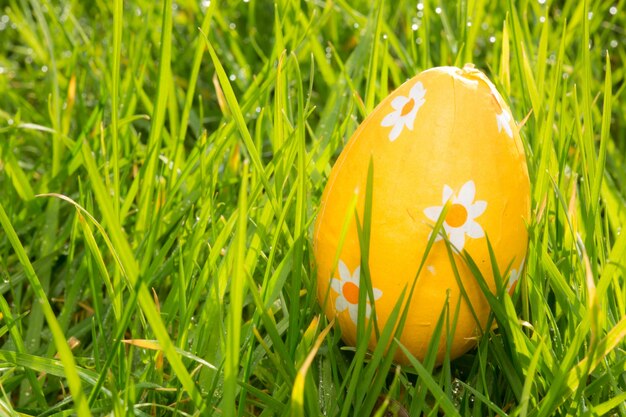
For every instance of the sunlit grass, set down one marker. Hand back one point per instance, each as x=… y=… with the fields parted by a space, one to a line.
x=161 y=165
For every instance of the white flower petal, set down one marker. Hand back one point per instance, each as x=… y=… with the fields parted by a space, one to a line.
x=437 y=238
x=377 y=293
x=391 y=119
x=514 y=276
x=474 y=230
x=399 y=102
x=477 y=208
x=356 y=276
x=417 y=91
x=335 y=284
x=353 y=309
x=409 y=119
x=457 y=238
x=447 y=194
x=467 y=194
x=399 y=120
x=344 y=272
x=368 y=310
x=448 y=229
x=341 y=304
x=465 y=198
x=433 y=213
x=395 y=132
x=512 y=281
x=419 y=103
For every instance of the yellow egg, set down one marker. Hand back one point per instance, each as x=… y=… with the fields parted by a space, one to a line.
x=445 y=138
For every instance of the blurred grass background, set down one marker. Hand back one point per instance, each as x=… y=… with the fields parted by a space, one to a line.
x=161 y=165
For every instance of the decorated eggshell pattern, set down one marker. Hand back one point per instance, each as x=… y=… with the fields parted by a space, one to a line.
x=445 y=137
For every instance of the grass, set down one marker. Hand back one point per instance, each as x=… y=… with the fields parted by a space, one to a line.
x=161 y=164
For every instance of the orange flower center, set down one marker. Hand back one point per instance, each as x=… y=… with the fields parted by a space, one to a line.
x=406 y=109
x=351 y=292
x=457 y=215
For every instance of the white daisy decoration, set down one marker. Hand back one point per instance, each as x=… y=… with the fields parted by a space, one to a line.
x=514 y=276
x=405 y=110
x=347 y=286
x=504 y=122
x=461 y=216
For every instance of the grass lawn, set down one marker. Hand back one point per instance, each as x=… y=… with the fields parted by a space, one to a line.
x=161 y=167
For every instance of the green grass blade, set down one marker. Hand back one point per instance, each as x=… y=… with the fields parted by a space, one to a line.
x=237 y=295
x=604 y=139
x=118 y=18
x=146 y=196
x=446 y=404
x=131 y=270
x=237 y=114
x=372 y=72
x=65 y=354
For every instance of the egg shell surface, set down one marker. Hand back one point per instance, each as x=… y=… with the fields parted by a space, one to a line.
x=445 y=138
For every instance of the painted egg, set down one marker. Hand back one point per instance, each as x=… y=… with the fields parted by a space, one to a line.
x=444 y=144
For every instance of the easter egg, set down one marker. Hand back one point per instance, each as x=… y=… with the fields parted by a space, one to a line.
x=443 y=145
